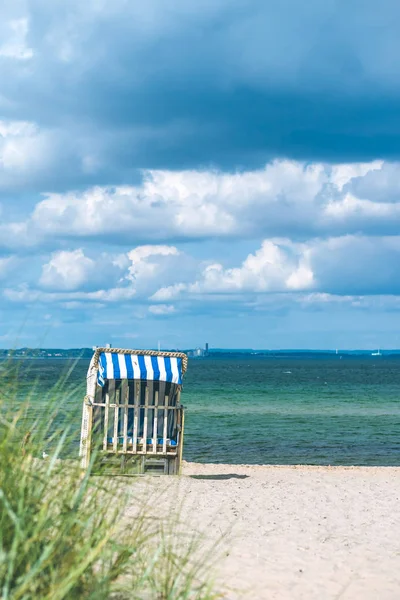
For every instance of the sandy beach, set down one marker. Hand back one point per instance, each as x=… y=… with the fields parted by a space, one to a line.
x=303 y=533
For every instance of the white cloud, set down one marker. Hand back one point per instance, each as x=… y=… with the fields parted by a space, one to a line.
x=16 y=128
x=85 y=277
x=348 y=266
x=26 y=295
x=381 y=185
x=322 y=298
x=14 y=44
x=276 y=266
x=162 y=278
x=155 y=266
x=161 y=309
x=285 y=199
x=149 y=261
x=24 y=150
x=352 y=209
x=68 y=271
x=344 y=173
x=271 y=268
x=168 y=293
x=142 y=252
x=72 y=276
x=6 y=265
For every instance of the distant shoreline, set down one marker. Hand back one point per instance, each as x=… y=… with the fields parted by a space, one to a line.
x=86 y=354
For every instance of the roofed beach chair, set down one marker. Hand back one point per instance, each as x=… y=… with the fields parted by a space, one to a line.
x=132 y=418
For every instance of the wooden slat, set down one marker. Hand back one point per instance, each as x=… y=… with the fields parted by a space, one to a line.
x=111 y=390
x=146 y=411
x=131 y=409
x=181 y=436
x=179 y=416
x=165 y=425
x=116 y=417
x=149 y=401
x=180 y=432
x=135 y=417
x=161 y=397
x=111 y=395
x=155 y=422
x=107 y=404
x=98 y=413
x=88 y=441
x=125 y=398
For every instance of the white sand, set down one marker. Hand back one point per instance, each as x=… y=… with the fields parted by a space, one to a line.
x=298 y=532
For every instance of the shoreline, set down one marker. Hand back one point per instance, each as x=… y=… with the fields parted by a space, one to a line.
x=191 y=464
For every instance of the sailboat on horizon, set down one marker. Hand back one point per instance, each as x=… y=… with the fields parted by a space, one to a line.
x=379 y=353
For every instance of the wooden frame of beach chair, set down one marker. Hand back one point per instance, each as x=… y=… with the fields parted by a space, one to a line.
x=132 y=420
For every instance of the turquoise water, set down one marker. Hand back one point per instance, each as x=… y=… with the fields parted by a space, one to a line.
x=300 y=410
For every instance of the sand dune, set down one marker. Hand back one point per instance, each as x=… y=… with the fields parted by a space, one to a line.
x=312 y=533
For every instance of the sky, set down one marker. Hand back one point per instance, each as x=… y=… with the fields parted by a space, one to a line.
x=183 y=172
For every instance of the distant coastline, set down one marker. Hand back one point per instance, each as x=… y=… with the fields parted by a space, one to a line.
x=86 y=353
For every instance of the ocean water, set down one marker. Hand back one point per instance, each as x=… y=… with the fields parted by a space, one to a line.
x=264 y=410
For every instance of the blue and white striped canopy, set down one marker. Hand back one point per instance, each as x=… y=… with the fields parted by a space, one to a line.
x=138 y=366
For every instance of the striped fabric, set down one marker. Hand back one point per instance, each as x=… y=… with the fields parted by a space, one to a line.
x=137 y=366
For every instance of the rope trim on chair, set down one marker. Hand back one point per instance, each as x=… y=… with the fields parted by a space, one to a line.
x=181 y=355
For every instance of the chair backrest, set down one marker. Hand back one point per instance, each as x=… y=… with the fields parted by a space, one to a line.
x=137 y=410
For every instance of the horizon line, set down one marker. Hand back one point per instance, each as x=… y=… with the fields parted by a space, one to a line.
x=214 y=349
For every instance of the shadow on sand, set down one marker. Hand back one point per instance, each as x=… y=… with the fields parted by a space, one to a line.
x=218 y=477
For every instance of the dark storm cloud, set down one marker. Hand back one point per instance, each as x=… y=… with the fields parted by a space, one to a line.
x=231 y=84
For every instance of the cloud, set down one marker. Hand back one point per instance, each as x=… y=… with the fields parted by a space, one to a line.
x=161 y=309
x=342 y=174
x=292 y=282
x=379 y=186
x=275 y=267
x=6 y=265
x=168 y=293
x=344 y=266
x=14 y=36
x=241 y=83
x=271 y=268
x=36 y=159
x=285 y=199
x=67 y=270
x=357 y=265
x=24 y=152
x=147 y=262
x=315 y=236
x=72 y=270
x=24 y=294
x=72 y=276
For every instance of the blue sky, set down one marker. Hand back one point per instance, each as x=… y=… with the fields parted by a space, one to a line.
x=221 y=171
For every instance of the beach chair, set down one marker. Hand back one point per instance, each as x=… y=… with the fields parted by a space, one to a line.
x=133 y=422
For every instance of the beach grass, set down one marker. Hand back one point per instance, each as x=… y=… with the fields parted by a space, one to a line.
x=65 y=534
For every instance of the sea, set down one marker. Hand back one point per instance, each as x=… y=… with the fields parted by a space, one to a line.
x=300 y=409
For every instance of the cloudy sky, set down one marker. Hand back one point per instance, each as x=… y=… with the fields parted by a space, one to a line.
x=188 y=171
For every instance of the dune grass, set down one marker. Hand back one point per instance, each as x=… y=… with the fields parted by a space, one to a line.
x=62 y=532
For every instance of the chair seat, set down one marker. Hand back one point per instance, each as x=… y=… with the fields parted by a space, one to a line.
x=150 y=441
